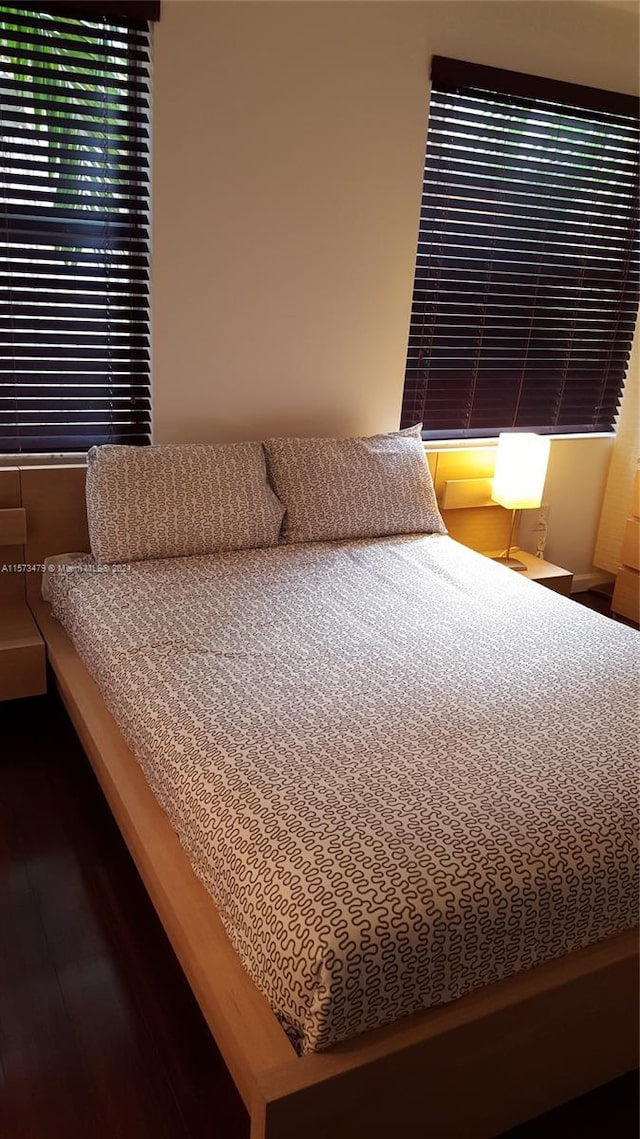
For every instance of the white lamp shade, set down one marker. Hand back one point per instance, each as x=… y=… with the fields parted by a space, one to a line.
x=521 y=467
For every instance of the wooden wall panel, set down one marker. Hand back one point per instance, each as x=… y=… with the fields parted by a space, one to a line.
x=474 y=463
x=11 y=583
x=12 y=526
x=480 y=527
x=54 y=500
x=22 y=656
x=9 y=486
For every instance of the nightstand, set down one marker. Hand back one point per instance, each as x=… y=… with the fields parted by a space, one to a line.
x=554 y=577
x=22 y=655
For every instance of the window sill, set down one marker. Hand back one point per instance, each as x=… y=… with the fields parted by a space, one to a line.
x=61 y=459
x=492 y=441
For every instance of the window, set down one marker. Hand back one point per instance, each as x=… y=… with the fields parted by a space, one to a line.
x=74 y=225
x=526 y=285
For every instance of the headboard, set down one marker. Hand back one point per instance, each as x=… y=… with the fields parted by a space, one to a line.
x=42 y=511
x=12 y=535
x=462 y=481
x=56 y=517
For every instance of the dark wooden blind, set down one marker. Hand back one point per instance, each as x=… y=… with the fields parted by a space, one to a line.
x=526 y=286
x=74 y=230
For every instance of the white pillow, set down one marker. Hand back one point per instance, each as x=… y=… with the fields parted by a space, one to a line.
x=178 y=499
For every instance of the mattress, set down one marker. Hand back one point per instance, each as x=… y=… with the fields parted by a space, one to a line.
x=401 y=771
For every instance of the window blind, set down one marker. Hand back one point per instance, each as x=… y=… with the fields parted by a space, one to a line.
x=526 y=285
x=74 y=229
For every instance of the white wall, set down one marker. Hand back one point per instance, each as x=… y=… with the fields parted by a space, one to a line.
x=288 y=148
x=574 y=491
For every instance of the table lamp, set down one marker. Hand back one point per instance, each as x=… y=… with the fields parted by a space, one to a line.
x=518 y=480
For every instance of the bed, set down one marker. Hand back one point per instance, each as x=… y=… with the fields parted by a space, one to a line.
x=322 y=646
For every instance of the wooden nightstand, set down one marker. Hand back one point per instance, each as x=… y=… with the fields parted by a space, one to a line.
x=22 y=654
x=554 y=577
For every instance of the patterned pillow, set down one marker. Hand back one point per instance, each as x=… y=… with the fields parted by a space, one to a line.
x=353 y=488
x=178 y=499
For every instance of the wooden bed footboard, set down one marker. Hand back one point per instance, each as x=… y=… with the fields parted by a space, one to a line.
x=472 y=1068
x=475 y=1068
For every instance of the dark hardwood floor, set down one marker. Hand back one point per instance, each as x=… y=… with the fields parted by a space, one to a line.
x=100 y=1037
x=599 y=600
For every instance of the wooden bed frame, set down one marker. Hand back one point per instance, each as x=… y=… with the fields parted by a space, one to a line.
x=472 y=1068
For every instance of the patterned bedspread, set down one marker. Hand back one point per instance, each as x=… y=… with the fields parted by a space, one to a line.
x=401 y=771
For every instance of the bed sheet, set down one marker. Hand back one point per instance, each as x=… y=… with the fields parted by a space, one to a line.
x=401 y=770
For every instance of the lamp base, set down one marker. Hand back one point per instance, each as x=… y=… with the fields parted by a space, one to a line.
x=511 y=563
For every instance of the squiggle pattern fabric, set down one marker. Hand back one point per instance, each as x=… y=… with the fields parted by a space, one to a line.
x=177 y=499
x=340 y=489
x=401 y=771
